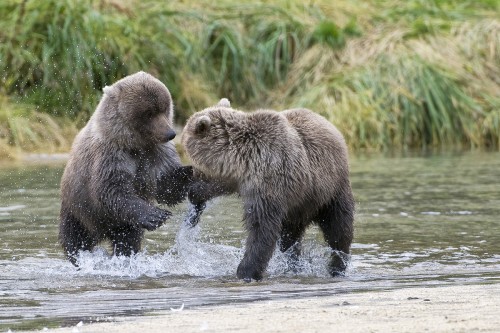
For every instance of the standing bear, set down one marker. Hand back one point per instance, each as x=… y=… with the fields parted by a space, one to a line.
x=120 y=163
x=291 y=170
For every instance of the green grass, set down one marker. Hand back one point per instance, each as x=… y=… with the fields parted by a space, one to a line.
x=54 y=54
x=391 y=74
x=413 y=103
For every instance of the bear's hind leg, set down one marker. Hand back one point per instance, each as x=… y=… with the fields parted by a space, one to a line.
x=126 y=240
x=336 y=221
x=74 y=237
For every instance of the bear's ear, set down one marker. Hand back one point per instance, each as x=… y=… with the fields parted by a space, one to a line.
x=108 y=90
x=202 y=125
x=224 y=102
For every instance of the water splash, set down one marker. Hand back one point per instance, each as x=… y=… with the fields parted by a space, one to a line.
x=192 y=255
x=188 y=256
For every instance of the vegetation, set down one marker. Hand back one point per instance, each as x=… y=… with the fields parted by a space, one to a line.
x=23 y=129
x=391 y=74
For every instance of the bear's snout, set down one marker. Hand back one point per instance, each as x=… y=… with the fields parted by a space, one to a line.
x=170 y=135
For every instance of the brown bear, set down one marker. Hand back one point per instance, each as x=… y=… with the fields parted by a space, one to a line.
x=291 y=170
x=120 y=163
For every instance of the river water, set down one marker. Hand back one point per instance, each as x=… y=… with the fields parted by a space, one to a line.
x=421 y=220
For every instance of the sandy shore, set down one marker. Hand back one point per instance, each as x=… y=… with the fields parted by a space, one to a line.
x=471 y=308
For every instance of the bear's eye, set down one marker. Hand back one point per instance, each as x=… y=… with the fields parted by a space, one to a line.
x=149 y=112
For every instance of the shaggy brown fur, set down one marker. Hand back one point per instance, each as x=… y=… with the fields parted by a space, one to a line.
x=290 y=168
x=120 y=163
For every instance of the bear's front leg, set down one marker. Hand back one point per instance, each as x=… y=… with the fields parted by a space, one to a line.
x=263 y=219
x=202 y=190
x=126 y=208
x=114 y=193
x=172 y=187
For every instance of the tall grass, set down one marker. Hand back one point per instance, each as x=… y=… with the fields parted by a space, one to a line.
x=24 y=129
x=412 y=102
x=53 y=54
x=59 y=54
x=388 y=73
x=385 y=91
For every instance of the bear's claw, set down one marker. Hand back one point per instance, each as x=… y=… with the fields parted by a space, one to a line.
x=248 y=274
x=152 y=221
x=194 y=214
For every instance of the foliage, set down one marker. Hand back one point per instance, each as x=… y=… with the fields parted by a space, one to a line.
x=388 y=73
x=23 y=129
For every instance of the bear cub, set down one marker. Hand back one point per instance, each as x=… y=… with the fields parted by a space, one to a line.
x=121 y=163
x=290 y=169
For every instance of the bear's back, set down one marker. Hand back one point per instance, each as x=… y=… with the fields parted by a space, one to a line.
x=314 y=129
x=325 y=147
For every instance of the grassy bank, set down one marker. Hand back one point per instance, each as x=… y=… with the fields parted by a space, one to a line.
x=389 y=73
x=24 y=129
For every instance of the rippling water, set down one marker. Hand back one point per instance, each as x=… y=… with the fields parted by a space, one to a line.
x=420 y=221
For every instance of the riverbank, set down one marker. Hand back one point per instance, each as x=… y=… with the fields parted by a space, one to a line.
x=469 y=308
x=389 y=74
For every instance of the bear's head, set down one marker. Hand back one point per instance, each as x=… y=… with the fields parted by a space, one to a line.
x=136 y=111
x=207 y=139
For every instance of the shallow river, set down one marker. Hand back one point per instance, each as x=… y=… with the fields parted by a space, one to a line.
x=424 y=220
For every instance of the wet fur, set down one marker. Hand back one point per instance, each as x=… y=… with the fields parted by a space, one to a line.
x=291 y=170
x=121 y=163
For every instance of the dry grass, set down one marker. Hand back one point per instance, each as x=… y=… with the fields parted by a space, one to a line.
x=385 y=91
x=23 y=129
